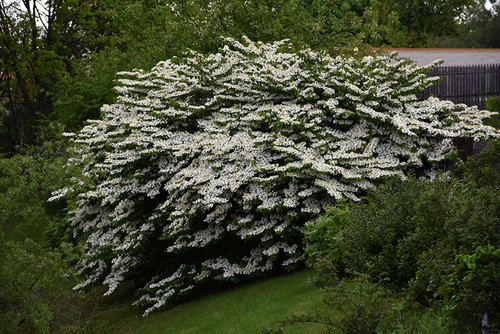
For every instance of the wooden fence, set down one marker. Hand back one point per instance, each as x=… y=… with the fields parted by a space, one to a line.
x=471 y=85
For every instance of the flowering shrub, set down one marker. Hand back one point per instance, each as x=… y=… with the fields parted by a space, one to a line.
x=208 y=167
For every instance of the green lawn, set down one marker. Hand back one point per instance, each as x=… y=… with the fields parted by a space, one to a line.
x=246 y=309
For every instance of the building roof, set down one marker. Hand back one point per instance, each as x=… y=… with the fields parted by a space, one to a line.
x=451 y=57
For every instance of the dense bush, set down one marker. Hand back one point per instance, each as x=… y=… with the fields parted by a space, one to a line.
x=437 y=241
x=26 y=183
x=36 y=293
x=36 y=279
x=208 y=167
x=367 y=236
x=493 y=104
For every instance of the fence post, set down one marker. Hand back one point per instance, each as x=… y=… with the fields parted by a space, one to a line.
x=484 y=324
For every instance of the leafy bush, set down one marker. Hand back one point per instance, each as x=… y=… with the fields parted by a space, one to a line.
x=36 y=280
x=474 y=283
x=323 y=249
x=26 y=183
x=208 y=167
x=493 y=104
x=35 y=290
x=437 y=241
x=370 y=236
x=483 y=170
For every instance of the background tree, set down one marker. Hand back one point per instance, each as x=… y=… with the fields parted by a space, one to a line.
x=478 y=29
x=38 y=42
x=145 y=32
x=58 y=59
x=403 y=23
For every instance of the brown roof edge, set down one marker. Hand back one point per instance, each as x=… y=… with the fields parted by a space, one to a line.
x=436 y=50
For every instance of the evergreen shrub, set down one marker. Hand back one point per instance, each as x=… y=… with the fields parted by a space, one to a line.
x=208 y=167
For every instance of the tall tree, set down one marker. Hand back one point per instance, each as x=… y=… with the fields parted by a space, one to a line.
x=38 y=41
x=414 y=23
x=478 y=29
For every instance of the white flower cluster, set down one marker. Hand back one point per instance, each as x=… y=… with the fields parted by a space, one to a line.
x=208 y=167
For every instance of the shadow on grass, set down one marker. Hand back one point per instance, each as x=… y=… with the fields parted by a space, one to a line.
x=247 y=309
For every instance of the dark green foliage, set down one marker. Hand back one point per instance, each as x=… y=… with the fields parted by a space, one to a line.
x=35 y=291
x=484 y=170
x=36 y=280
x=477 y=28
x=472 y=219
x=436 y=241
x=324 y=253
x=474 y=282
x=401 y=23
x=368 y=236
x=26 y=183
x=493 y=104
x=37 y=60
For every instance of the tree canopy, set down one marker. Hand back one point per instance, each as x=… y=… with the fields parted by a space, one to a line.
x=58 y=59
x=477 y=29
x=39 y=42
x=416 y=23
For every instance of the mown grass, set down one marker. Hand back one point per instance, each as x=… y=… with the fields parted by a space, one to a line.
x=246 y=309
